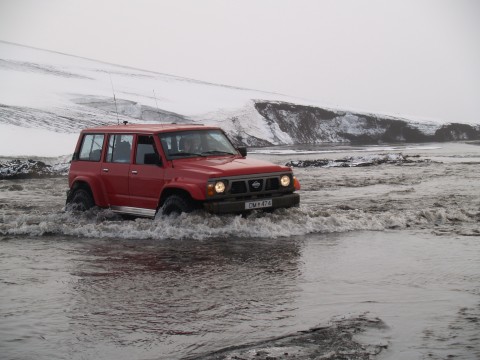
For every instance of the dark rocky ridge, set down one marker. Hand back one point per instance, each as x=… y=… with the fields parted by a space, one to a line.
x=311 y=125
x=28 y=169
x=358 y=161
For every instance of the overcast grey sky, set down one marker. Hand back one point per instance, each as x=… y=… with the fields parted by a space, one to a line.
x=402 y=57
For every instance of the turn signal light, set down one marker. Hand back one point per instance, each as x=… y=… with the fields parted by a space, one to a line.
x=296 y=183
x=210 y=190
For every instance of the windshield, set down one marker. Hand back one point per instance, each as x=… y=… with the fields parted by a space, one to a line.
x=192 y=143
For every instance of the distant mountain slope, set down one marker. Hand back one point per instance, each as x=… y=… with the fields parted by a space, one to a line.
x=310 y=125
x=48 y=97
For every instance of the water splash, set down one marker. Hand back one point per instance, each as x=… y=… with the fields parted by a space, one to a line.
x=200 y=225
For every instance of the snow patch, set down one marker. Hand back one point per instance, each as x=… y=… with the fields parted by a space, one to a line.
x=17 y=140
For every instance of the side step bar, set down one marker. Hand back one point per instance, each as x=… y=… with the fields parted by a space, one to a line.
x=134 y=211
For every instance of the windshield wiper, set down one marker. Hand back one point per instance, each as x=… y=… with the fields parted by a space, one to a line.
x=217 y=152
x=186 y=154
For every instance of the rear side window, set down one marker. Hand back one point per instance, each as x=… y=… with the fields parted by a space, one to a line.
x=92 y=146
x=119 y=148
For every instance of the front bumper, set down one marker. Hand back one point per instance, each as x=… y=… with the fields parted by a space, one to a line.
x=238 y=206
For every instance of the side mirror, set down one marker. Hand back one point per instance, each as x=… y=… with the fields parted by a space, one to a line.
x=152 y=159
x=242 y=150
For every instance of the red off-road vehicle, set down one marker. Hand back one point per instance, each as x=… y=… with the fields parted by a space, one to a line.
x=142 y=169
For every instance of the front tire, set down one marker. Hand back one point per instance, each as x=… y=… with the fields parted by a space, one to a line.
x=81 y=200
x=177 y=204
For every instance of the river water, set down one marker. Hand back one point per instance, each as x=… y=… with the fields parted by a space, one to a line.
x=381 y=261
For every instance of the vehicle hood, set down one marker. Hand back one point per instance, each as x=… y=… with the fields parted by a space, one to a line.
x=231 y=166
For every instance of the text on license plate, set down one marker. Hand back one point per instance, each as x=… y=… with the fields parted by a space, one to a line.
x=251 y=205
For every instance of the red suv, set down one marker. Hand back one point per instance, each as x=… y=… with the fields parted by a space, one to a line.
x=142 y=169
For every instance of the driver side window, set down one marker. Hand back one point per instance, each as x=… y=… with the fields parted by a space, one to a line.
x=146 y=153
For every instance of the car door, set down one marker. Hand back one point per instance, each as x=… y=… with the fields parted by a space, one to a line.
x=146 y=175
x=115 y=169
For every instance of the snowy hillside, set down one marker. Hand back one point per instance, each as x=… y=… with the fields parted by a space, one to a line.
x=46 y=98
x=52 y=96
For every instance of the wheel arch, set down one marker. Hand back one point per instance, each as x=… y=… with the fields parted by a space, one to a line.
x=174 y=191
x=93 y=187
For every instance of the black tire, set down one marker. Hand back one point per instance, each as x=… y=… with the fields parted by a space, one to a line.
x=81 y=200
x=177 y=204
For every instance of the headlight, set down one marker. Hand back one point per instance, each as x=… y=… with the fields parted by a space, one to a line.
x=285 y=180
x=219 y=187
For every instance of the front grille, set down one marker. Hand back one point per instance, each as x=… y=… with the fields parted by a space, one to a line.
x=238 y=187
x=272 y=184
x=255 y=185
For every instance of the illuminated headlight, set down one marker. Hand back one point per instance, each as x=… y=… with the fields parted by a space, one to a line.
x=219 y=187
x=285 y=180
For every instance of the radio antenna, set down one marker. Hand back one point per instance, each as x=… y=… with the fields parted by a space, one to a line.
x=155 y=97
x=114 y=98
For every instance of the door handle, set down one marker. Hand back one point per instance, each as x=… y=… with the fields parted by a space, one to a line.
x=105 y=170
x=134 y=172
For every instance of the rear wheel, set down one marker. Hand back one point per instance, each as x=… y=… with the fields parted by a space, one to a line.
x=177 y=204
x=81 y=200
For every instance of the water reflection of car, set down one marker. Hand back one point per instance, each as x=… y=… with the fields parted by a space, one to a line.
x=141 y=169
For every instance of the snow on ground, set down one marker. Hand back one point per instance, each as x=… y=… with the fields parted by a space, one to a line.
x=46 y=79
x=246 y=122
x=62 y=94
x=47 y=90
x=37 y=142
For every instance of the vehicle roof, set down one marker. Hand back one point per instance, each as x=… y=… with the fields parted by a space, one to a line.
x=147 y=128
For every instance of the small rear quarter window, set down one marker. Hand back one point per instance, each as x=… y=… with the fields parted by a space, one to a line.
x=91 y=149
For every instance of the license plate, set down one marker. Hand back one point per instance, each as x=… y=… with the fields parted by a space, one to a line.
x=252 y=205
